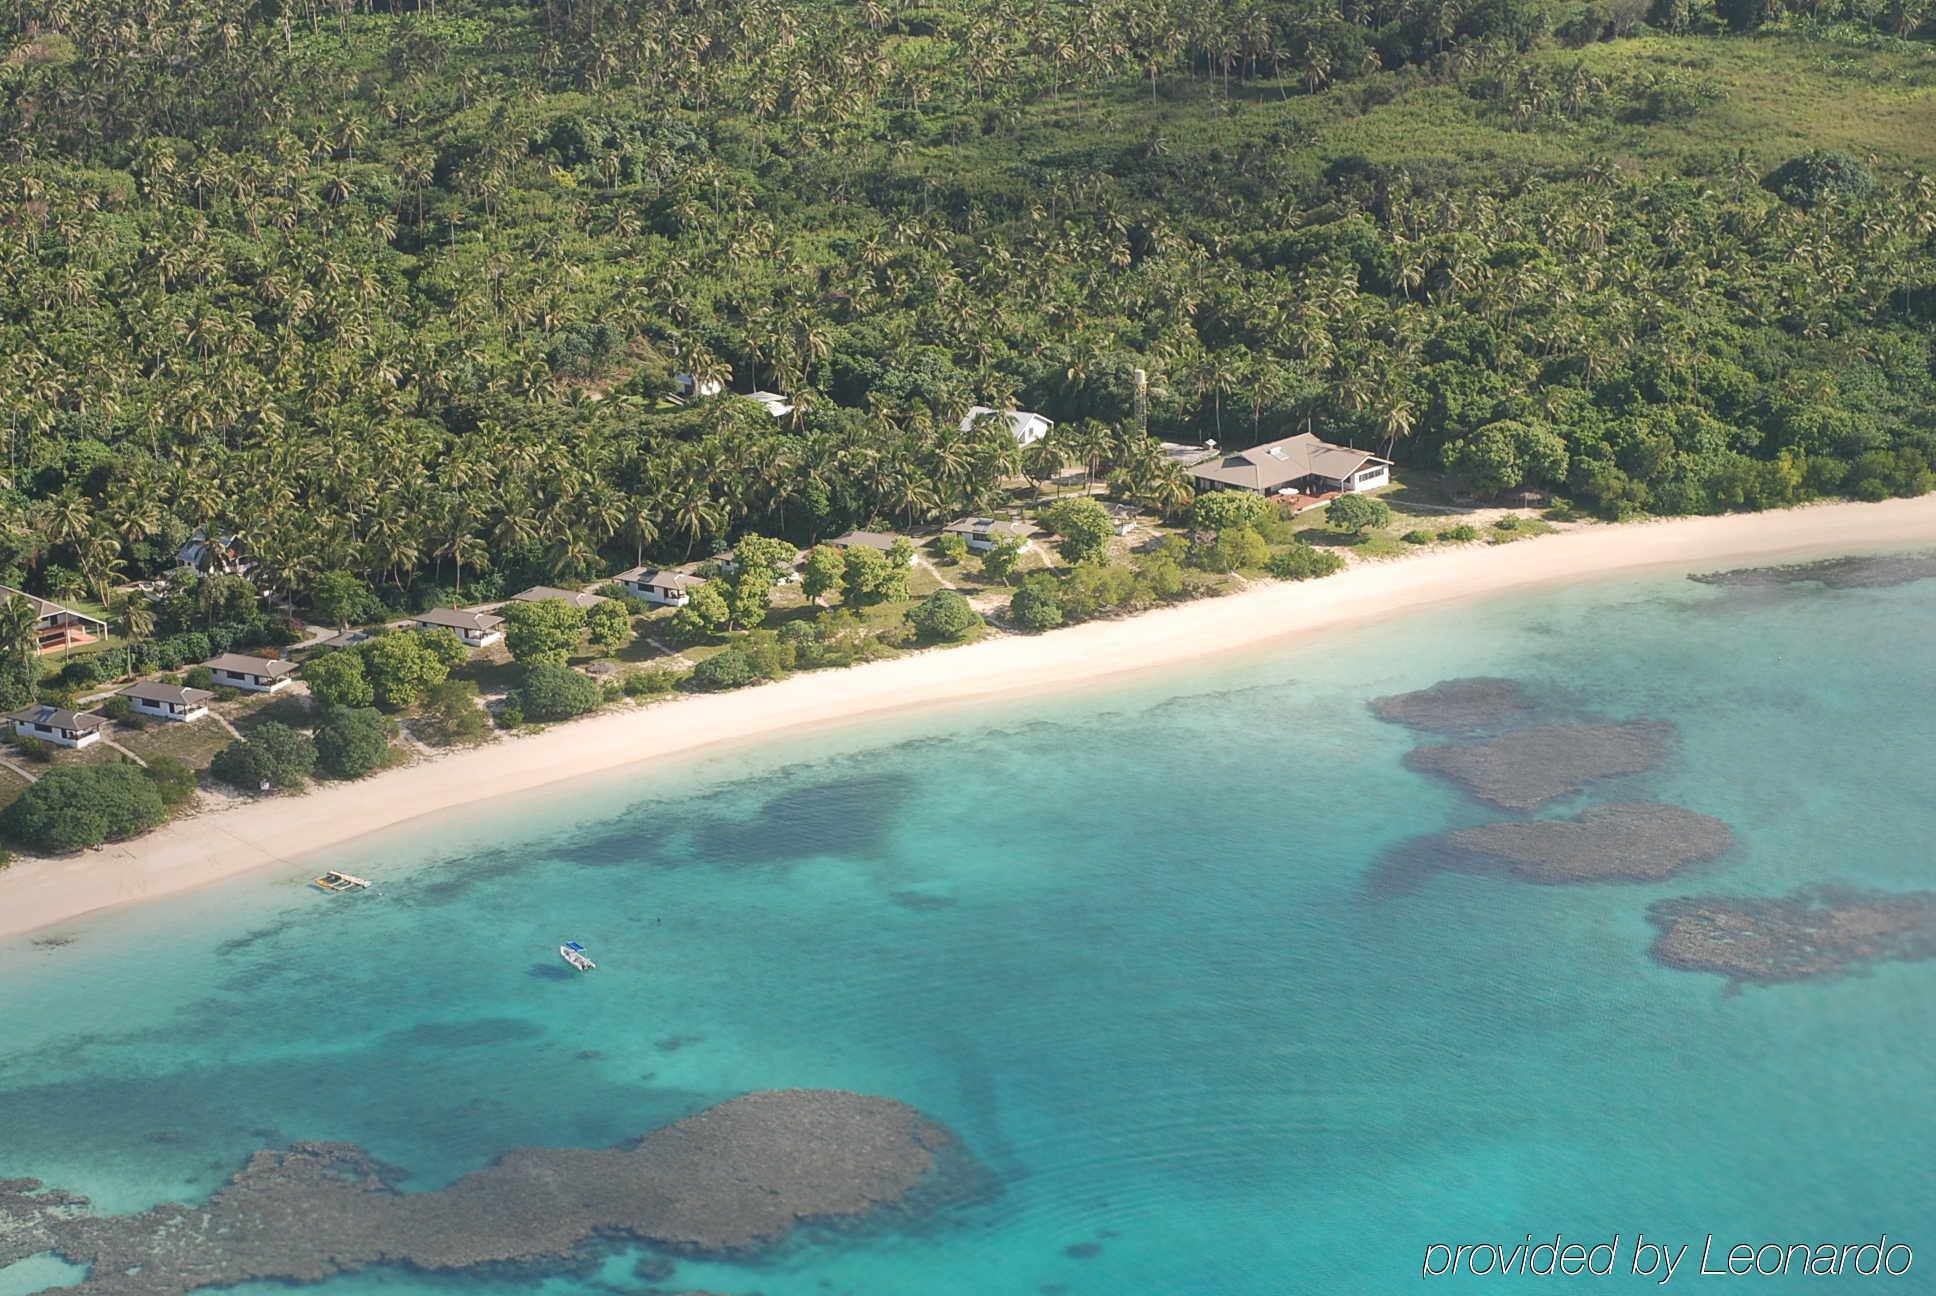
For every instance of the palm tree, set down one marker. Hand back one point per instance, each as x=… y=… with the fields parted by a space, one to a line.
x=20 y=637
x=136 y=613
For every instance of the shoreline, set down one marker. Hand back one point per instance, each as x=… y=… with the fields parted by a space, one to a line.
x=219 y=844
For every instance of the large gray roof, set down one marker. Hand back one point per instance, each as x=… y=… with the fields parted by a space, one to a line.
x=58 y=717
x=1277 y=463
x=153 y=691
x=545 y=593
x=246 y=665
x=663 y=577
x=460 y=619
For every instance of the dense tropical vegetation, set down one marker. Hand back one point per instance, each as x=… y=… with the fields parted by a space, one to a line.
x=394 y=292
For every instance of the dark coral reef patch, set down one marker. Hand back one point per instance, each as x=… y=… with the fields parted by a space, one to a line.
x=1526 y=768
x=1626 y=842
x=734 y=1178
x=1814 y=932
x=1860 y=571
x=1457 y=706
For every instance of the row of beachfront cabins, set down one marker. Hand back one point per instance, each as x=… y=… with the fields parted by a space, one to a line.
x=66 y=728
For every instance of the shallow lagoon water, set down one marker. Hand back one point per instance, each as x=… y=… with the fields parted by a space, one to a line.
x=1124 y=943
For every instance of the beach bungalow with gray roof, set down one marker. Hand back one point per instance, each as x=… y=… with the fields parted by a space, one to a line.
x=982 y=534
x=1298 y=464
x=166 y=701
x=251 y=674
x=881 y=540
x=664 y=586
x=58 y=725
x=476 y=629
x=545 y=593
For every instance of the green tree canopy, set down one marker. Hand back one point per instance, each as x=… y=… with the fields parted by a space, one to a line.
x=944 y=616
x=352 y=741
x=1357 y=513
x=547 y=631
x=73 y=807
x=274 y=756
x=401 y=667
x=1083 y=525
x=552 y=692
x=338 y=679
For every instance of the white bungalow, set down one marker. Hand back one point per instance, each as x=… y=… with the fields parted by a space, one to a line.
x=982 y=534
x=476 y=629
x=776 y=405
x=690 y=386
x=56 y=627
x=1025 y=427
x=663 y=586
x=58 y=725
x=166 y=701
x=880 y=540
x=251 y=674
x=546 y=593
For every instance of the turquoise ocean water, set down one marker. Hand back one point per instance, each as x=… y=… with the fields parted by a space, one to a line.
x=1123 y=943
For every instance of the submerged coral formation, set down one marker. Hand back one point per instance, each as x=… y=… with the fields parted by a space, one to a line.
x=1815 y=932
x=1860 y=571
x=734 y=1177
x=1456 y=705
x=1527 y=768
x=1624 y=842
x=1628 y=842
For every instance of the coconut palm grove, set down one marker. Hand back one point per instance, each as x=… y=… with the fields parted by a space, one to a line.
x=422 y=299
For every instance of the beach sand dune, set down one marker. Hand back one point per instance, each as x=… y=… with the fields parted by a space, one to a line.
x=196 y=851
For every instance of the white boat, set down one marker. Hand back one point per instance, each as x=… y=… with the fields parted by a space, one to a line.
x=574 y=953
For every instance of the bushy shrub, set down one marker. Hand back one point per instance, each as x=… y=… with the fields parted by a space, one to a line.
x=1219 y=510
x=352 y=741
x=1083 y=526
x=338 y=679
x=1462 y=532
x=650 y=683
x=944 y=616
x=1304 y=562
x=173 y=780
x=552 y=692
x=278 y=756
x=452 y=715
x=1037 y=605
x=544 y=632
x=729 y=669
x=78 y=806
x=951 y=549
x=1418 y=537
x=200 y=677
x=1510 y=522
x=1357 y=513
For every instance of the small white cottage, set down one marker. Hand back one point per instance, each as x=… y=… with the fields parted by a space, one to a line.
x=166 y=701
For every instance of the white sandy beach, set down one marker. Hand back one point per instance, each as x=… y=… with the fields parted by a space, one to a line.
x=208 y=847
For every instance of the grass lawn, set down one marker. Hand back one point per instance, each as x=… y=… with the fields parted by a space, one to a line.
x=193 y=744
x=252 y=713
x=11 y=786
